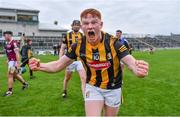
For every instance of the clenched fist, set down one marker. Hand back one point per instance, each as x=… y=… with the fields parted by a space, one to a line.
x=141 y=69
x=34 y=64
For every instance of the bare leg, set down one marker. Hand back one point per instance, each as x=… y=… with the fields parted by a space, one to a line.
x=68 y=75
x=82 y=74
x=111 y=111
x=94 y=107
x=24 y=83
x=10 y=81
x=10 y=84
x=20 y=78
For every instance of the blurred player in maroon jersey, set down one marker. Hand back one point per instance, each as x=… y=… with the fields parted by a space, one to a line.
x=13 y=60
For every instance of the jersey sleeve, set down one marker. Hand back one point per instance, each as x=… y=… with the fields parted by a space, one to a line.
x=126 y=44
x=121 y=49
x=71 y=52
x=15 y=44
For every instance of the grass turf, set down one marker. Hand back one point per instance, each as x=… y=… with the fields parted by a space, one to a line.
x=158 y=94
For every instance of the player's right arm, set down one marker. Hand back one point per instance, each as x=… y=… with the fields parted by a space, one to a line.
x=50 y=67
x=55 y=66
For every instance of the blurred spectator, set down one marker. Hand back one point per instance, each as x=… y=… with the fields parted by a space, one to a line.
x=55 y=49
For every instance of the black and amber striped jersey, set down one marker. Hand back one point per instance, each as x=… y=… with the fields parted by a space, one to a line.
x=102 y=62
x=71 y=38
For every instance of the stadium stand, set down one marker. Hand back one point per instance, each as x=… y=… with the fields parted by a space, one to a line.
x=159 y=41
x=45 y=42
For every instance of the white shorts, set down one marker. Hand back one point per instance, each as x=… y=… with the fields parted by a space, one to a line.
x=12 y=66
x=111 y=97
x=76 y=65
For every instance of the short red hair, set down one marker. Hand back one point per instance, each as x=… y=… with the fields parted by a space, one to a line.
x=91 y=11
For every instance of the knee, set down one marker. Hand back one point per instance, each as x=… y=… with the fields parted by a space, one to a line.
x=66 y=79
x=10 y=75
x=83 y=79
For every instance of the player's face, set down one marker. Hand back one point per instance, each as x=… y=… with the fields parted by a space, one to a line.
x=30 y=42
x=7 y=37
x=118 y=35
x=76 y=27
x=91 y=26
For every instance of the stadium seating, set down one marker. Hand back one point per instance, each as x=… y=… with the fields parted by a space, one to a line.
x=171 y=41
x=141 y=43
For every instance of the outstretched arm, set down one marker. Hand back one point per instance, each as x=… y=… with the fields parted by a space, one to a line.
x=50 y=67
x=139 y=67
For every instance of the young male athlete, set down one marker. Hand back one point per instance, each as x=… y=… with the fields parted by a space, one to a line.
x=13 y=56
x=122 y=39
x=70 y=38
x=100 y=54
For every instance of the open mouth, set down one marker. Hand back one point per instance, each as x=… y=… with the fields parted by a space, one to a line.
x=91 y=33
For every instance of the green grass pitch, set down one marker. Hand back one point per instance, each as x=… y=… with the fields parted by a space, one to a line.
x=158 y=94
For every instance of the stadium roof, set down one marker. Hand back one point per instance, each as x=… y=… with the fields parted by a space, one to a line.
x=51 y=27
x=18 y=9
x=10 y=6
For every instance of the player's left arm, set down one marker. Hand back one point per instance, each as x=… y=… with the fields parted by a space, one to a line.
x=138 y=67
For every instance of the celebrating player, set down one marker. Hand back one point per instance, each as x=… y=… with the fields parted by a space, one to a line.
x=100 y=54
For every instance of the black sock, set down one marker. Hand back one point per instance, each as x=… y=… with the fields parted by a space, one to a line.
x=65 y=91
x=24 y=83
x=31 y=72
x=9 y=89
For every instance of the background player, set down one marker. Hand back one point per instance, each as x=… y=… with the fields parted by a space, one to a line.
x=13 y=61
x=70 y=38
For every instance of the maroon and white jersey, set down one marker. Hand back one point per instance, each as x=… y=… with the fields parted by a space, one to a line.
x=10 y=46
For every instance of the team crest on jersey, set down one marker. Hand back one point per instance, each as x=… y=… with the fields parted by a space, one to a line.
x=96 y=56
x=109 y=57
x=98 y=65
